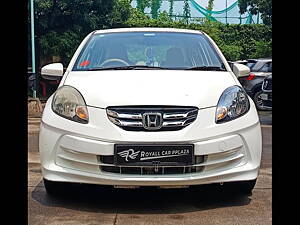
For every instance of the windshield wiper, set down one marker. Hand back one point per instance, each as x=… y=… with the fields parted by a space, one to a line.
x=206 y=68
x=127 y=67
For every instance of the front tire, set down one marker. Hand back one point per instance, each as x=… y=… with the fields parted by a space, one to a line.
x=258 y=101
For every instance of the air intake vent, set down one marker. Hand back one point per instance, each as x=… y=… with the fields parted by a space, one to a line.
x=150 y=118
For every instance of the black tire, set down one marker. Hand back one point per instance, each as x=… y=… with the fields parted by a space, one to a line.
x=258 y=102
x=243 y=187
x=54 y=188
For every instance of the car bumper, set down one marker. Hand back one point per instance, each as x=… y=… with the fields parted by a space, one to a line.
x=70 y=151
x=73 y=176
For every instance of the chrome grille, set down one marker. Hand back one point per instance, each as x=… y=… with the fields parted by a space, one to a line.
x=131 y=118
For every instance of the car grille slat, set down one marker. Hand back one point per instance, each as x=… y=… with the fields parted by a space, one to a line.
x=178 y=115
x=115 y=114
x=131 y=118
x=126 y=123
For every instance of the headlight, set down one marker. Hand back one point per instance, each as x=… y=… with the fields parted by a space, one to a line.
x=69 y=103
x=232 y=104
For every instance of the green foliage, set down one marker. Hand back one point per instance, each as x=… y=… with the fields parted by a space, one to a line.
x=171 y=7
x=61 y=26
x=142 y=4
x=155 y=5
x=53 y=44
x=186 y=11
x=231 y=52
x=236 y=41
x=254 y=6
x=163 y=16
x=120 y=13
x=250 y=37
x=210 y=5
x=136 y=18
x=263 y=49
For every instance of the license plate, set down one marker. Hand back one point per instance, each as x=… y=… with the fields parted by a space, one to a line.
x=264 y=96
x=148 y=155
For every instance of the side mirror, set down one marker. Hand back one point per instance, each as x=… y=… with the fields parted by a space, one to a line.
x=240 y=70
x=52 y=71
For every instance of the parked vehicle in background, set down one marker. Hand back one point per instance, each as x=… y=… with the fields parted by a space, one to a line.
x=244 y=62
x=266 y=96
x=30 y=81
x=45 y=87
x=259 y=69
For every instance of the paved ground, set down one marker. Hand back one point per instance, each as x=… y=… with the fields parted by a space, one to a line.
x=265 y=117
x=206 y=205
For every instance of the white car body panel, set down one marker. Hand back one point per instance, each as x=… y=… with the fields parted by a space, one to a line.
x=150 y=87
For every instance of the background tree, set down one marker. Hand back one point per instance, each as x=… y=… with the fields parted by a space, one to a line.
x=60 y=25
x=186 y=11
x=210 y=7
x=171 y=7
x=155 y=6
x=142 y=4
x=120 y=13
x=264 y=7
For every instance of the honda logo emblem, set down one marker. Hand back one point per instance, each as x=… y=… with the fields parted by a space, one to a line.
x=152 y=120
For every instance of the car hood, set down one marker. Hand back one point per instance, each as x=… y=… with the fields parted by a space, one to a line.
x=150 y=87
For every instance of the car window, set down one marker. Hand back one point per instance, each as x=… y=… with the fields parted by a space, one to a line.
x=250 y=64
x=163 y=49
x=267 y=67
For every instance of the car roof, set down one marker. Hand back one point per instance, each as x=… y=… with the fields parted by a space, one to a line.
x=261 y=60
x=147 y=29
x=241 y=61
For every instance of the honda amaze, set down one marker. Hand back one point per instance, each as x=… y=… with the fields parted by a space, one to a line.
x=149 y=107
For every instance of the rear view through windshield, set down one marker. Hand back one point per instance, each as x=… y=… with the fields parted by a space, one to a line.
x=154 y=49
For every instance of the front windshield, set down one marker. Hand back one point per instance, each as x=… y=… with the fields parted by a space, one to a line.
x=170 y=50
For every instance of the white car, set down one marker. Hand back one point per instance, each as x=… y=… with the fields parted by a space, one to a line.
x=149 y=107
